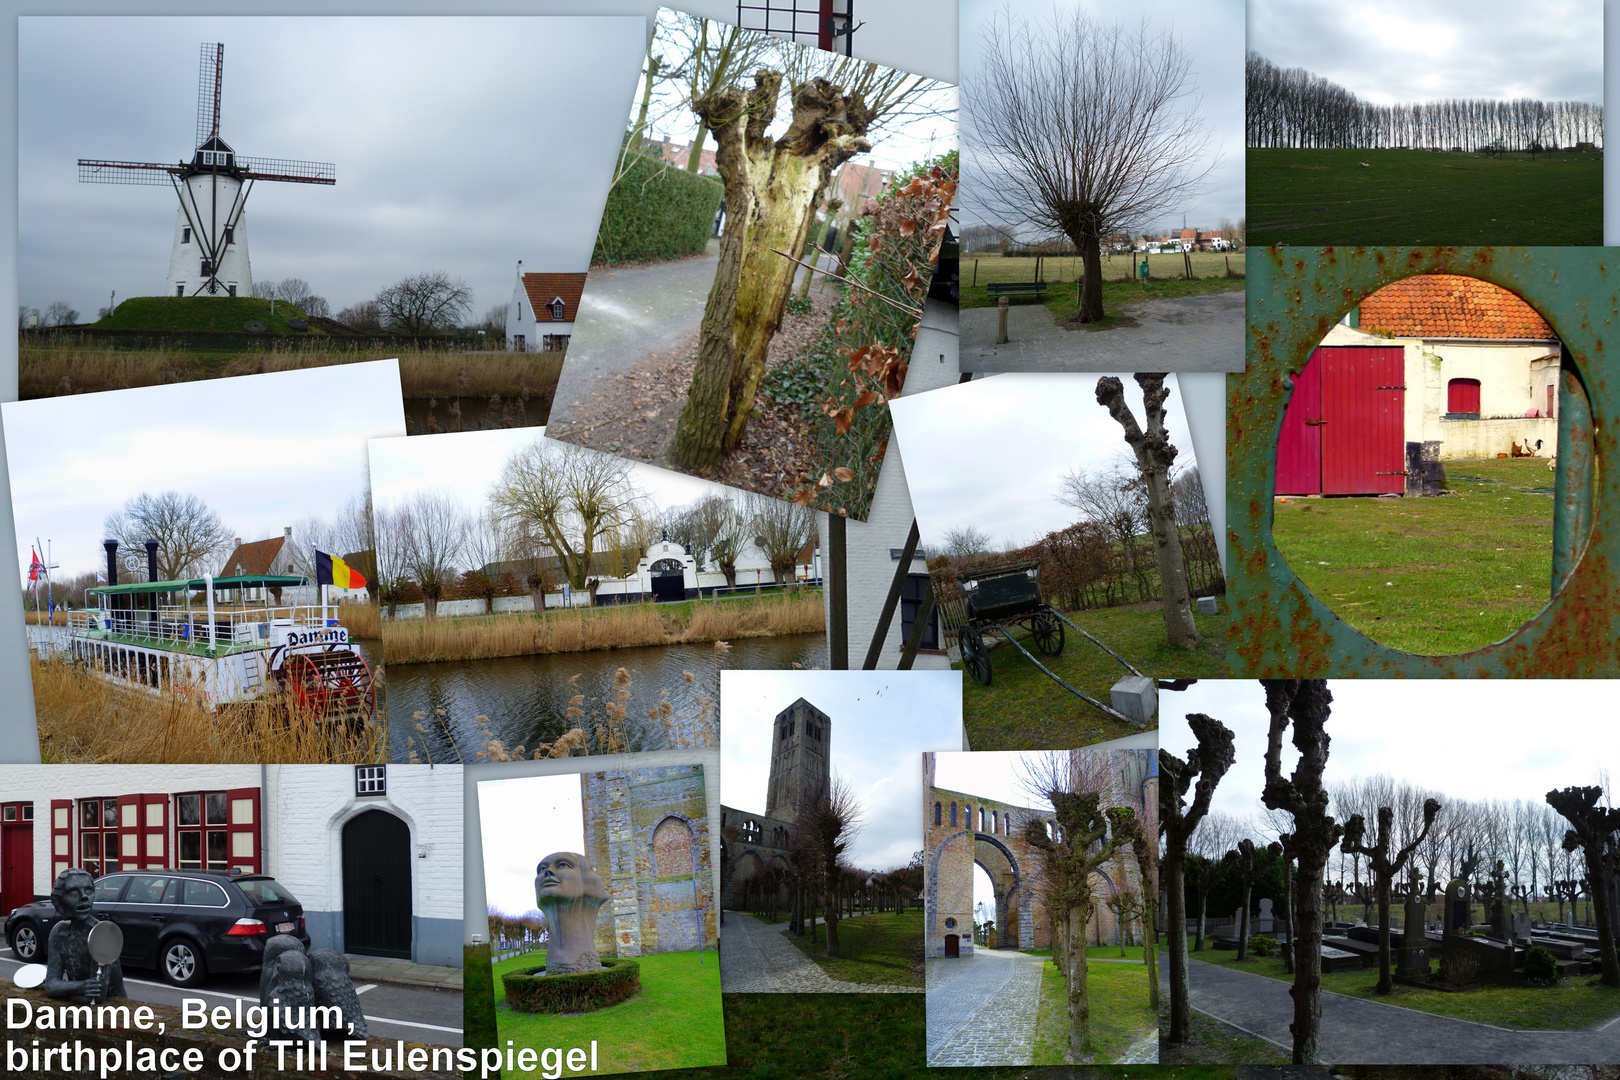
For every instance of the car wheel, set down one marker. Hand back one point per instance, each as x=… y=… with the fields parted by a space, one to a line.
x=182 y=963
x=25 y=943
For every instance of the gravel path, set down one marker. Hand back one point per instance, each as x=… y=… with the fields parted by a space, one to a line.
x=982 y=1008
x=756 y=959
x=1192 y=333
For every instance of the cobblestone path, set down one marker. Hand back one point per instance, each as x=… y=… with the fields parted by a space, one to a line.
x=756 y=959
x=982 y=1008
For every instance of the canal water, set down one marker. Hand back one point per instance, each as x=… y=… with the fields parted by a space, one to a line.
x=526 y=699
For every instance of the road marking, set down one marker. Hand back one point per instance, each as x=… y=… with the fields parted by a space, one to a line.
x=363 y=989
x=412 y=1023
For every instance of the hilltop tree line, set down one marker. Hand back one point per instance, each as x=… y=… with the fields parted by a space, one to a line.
x=1293 y=108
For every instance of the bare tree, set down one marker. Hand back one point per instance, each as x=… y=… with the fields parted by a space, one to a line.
x=364 y=316
x=781 y=529
x=1306 y=704
x=730 y=535
x=772 y=189
x=60 y=314
x=1593 y=833
x=424 y=303
x=698 y=526
x=1206 y=763
x=830 y=824
x=531 y=558
x=1384 y=866
x=190 y=536
x=430 y=536
x=1084 y=129
x=484 y=545
x=964 y=542
x=1155 y=454
x=390 y=527
x=572 y=497
x=494 y=321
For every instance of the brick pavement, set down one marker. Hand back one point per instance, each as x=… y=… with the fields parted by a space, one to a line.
x=982 y=1008
x=756 y=959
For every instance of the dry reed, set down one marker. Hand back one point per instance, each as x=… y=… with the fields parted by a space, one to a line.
x=84 y=718
x=37 y=618
x=360 y=620
x=620 y=627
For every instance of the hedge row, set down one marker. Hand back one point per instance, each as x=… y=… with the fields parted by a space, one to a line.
x=532 y=991
x=655 y=212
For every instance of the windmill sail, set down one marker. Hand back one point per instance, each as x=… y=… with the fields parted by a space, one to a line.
x=148 y=173
x=211 y=69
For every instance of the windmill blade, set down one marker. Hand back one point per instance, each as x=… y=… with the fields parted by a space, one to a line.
x=142 y=173
x=284 y=169
x=211 y=68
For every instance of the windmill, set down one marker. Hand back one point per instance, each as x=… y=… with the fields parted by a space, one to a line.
x=210 y=253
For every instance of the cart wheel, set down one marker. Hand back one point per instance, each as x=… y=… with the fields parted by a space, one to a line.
x=1048 y=633
x=975 y=658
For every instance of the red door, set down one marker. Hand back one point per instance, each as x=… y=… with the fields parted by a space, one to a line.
x=1344 y=431
x=1299 y=447
x=1364 y=426
x=16 y=865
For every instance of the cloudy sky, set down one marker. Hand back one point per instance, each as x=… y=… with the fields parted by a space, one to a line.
x=1466 y=738
x=466 y=464
x=523 y=820
x=882 y=721
x=263 y=451
x=461 y=144
x=1388 y=51
x=1211 y=30
x=992 y=453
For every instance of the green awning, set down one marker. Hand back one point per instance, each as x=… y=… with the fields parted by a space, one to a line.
x=147 y=587
x=241 y=581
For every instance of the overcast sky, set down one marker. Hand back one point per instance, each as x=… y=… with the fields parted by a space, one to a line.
x=263 y=451
x=1388 y=51
x=1211 y=30
x=1466 y=738
x=882 y=721
x=522 y=821
x=991 y=453
x=461 y=145
x=466 y=464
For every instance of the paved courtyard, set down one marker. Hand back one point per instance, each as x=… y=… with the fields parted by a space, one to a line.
x=1193 y=333
x=982 y=1008
x=756 y=959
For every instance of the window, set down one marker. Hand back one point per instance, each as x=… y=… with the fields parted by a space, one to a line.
x=936 y=815
x=371 y=779
x=107 y=890
x=179 y=290
x=185 y=234
x=554 y=343
x=953 y=813
x=556 y=309
x=518 y=344
x=231 y=289
x=1462 y=399
x=194 y=893
x=207 y=268
x=230 y=234
x=98 y=835
x=751 y=831
x=146 y=889
x=201 y=829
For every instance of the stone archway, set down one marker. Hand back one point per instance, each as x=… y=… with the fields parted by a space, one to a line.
x=1014 y=903
x=667 y=578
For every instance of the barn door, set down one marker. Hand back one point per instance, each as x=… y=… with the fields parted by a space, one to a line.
x=1363 y=421
x=1299 y=447
x=377 y=885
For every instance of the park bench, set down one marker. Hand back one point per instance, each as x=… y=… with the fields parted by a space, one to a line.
x=1016 y=288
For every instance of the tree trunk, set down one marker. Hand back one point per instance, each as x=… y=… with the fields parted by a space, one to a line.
x=830 y=903
x=1091 y=302
x=1307 y=988
x=1598 y=904
x=430 y=603
x=1243 y=927
x=538 y=594
x=1203 y=909
x=1074 y=976
x=1288 y=915
x=771 y=189
x=1386 y=981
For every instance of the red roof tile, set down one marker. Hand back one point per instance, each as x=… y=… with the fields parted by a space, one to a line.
x=1451 y=306
x=253 y=558
x=544 y=288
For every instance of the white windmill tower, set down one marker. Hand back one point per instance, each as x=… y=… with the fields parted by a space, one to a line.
x=210 y=253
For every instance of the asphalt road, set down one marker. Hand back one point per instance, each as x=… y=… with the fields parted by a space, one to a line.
x=394 y=1012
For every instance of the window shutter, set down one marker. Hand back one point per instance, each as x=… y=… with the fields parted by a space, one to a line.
x=61 y=836
x=242 y=814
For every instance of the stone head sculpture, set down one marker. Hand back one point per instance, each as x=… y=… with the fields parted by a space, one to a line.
x=70 y=972
x=570 y=892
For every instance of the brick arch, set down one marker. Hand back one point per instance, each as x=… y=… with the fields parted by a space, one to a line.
x=691 y=838
x=1022 y=885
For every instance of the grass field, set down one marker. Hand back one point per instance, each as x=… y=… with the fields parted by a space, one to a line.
x=1022 y=709
x=675 y=1022
x=1119 y=277
x=1212 y=1048
x=201 y=313
x=1433 y=576
x=1413 y=197
x=1120 y=1015
x=884 y=949
x=1574 y=1003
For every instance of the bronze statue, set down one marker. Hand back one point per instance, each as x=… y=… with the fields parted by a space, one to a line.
x=70 y=972
x=570 y=892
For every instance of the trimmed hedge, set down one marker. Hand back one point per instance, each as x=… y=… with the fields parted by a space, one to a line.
x=656 y=212
x=1540 y=966
x=530 y=991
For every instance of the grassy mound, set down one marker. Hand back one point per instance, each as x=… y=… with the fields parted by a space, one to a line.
x=199 y=313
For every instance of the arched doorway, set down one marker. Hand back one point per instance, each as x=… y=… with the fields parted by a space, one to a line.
x=668 y=579
x=953 y=947
x=377 y=885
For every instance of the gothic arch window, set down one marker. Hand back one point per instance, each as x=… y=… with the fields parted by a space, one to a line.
x=936 y=815
x=981 y=819
x=995 y=822
x=967 y=816
x=953 y=813
x=672 y=847
x=751 y=831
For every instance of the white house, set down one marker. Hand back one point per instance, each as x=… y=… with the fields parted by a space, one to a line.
x=372 y=852
x=541 y=316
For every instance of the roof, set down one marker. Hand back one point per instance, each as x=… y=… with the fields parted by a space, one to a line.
x=544 y=288
x=1452 y=306
x=254 y=557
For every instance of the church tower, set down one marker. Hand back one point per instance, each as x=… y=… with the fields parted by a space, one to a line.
x=801 y=749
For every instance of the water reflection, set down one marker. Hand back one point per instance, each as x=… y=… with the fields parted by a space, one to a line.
x=526 y=698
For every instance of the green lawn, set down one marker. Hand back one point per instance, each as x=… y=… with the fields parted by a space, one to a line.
x=885 y=949
x=199 y=313
x=1022 y=709
x=1317 y=197
x=1434 y=576
x=675 y=1022
x=1574 y=1003
x=1212 y=1048
x=1120 y=1014
x=1119 y=277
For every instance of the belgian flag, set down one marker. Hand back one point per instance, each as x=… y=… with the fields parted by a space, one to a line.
x=331 y=570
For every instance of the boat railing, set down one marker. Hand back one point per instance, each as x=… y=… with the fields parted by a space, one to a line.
x=178 y=625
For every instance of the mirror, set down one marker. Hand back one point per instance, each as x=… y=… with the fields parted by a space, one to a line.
x=106 y=942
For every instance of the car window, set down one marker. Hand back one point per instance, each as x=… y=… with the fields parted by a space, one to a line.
x=203 y=894
x=172 y=895
x=146 y=889
x=266 y=891
x=108 y=888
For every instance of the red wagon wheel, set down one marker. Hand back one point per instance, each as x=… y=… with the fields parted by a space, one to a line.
x=335 y=685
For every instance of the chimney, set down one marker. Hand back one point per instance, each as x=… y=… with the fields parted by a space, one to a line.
x=112 y=561
x=237 y=541
x=151 y=573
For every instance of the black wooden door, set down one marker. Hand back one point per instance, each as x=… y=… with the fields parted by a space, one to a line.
x=377 y=885
x=911 y=598
x=668 y=587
